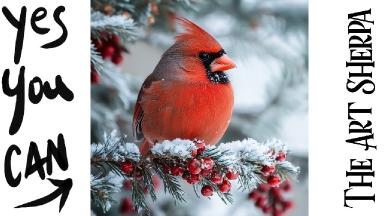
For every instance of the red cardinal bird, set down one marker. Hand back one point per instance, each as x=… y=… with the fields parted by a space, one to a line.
x=188 y=95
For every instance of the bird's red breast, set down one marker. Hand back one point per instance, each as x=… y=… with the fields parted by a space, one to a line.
x=187 y=96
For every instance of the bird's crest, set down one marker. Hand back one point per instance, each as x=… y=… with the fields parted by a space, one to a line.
x=196 y=38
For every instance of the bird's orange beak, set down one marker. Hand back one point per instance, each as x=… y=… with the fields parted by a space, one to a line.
x=222 y=63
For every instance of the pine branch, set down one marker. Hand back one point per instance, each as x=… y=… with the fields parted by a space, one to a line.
x=103 y=26
x=96 y=60
x=171 y=185
x=138 y=195
x=102 y=189
x=202 y=166
x=286 y=170
x=114 y=148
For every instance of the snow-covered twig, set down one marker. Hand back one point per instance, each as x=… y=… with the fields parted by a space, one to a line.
x=96 y=60
x=114 y=148
x=210 y=168
x=102 y=189
x=113 y=25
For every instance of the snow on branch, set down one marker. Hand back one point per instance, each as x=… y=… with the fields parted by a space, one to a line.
x=175 y=148
x=251 y=150
x=209 y=169
x=102 y=189
x=114 y=25
x=96 y=60
x=114 y=148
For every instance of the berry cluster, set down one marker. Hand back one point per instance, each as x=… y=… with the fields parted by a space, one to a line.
x=204 y=168
x=127 y=184
x=269 y=171
x=201 y=169
x=270 y=199
x=135 y=172
x=110 y=48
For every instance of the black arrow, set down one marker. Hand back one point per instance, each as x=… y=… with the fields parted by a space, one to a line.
x=64 y=187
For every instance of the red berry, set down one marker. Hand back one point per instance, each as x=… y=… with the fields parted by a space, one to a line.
x=253 y=195
x=193 y=179
x=273 y=180
x=194 y=166
x=166 y=169
x=287 y=205
x=194 y=153
x=205 y=172
x=115 y=39
x=276 y=193
x=127 y=185
x=277 y=212
x=216 y=178
x=156 y=182
x=117 y=59
x=176 y=171
x=225 y=186
x=281 y=156
x=127 y=167
x=286 y=186
x=138 y=175
x=260 y=202
x=208 y=163
x=263 y=188
x=207 y=190
x=95 y=77
x=231 y=175
x=266 y=170
x=267 y=209
x=200 y=150
x=108 y=52
x=126 y=206
x=200 y=146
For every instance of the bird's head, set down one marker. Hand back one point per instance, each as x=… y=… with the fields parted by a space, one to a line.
x=203 y=55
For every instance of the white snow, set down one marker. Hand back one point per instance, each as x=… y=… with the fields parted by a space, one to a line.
x=101 y=20
x=177 y=147
x=252 y=150
x=111 y=183
x=113 y=146
x=129 y=150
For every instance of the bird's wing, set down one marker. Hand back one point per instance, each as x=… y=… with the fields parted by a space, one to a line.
x=148 y=103
x=152 y=82
x=138 y=113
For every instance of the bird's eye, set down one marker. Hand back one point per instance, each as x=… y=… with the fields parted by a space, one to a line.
x=204 y=56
